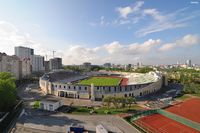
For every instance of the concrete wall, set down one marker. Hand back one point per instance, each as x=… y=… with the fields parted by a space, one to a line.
x=55 y=105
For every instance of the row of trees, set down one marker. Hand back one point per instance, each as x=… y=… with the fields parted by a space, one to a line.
x=8 y=94
x=191 y=88
x=119 y=102
x=184 y=76
x=143 y=70
x=190 y=78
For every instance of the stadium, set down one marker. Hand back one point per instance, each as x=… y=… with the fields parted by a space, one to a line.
x=97 y=85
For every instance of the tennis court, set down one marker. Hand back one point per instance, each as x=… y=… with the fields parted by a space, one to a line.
x=157 y=123
x=189 y=109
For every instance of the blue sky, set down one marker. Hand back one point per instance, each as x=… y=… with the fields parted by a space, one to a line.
x=116 y=31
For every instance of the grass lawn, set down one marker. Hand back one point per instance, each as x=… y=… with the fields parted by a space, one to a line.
x=36 y=104
x=104 y=110
x=101 y=81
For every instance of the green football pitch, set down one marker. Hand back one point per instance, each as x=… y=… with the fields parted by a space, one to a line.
x=101 y=81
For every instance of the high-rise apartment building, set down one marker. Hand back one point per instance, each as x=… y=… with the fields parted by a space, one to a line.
x=37 y=61
x=19 y=68
x=55 y=63
x=24 y=52
x=189 y=63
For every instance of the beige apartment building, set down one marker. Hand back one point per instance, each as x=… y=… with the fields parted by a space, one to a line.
x=20 y=69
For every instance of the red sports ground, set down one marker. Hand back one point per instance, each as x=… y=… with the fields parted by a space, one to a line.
x=157 y=123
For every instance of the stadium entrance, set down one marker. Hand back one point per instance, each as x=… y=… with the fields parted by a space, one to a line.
x=68 y=94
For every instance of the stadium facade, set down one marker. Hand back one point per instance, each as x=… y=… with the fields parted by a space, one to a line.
x=72 y=84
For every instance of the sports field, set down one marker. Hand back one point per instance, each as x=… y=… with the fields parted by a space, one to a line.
x=157 y=123
x=189 y=109
x=101 y=81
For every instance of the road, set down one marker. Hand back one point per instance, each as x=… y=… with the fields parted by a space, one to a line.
x=36 y=121
x=59 y=122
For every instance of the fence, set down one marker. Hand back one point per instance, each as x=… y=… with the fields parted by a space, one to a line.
x=143 y=113
x=10 y=118
x=180 y=119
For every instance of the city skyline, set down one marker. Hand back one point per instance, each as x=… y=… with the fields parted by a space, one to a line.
x=124 y=32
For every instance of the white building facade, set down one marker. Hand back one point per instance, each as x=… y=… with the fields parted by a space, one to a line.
x=73 y=90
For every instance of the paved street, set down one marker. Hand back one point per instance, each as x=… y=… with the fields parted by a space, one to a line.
x=59 y=122
x=36 y=121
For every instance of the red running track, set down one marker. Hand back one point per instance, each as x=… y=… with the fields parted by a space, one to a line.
x=124 y=82
x=189 y=109
x=161 y=124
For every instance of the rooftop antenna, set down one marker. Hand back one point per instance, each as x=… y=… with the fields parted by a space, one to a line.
x=53 y=53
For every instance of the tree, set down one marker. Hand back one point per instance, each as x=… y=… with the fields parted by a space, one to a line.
x=8 y=93
x=107 y=101
x=130 y=101
x=116 y=101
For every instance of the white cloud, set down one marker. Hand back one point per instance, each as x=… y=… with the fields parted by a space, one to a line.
x=162 y=22
x=112 y=52
x=125 y=11
x=131 y=49
x=186 y=41
x=167 y=46
x=11 y=36
x=155 y=14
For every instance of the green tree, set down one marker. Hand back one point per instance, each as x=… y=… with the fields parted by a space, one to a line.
x=130 y=101
x=107 y=101
x=8 y=93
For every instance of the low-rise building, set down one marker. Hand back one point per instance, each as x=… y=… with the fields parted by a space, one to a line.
x=50 y=103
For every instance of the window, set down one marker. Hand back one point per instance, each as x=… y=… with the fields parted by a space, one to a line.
x=97 y=87
x=103 y=88
x=74 y=87
x=115 y=89
x=59 y=86
x=64 y=86
x=79 y=88
x=50 y=107
x=42 y=105
x=69 y=87
x=109 y=89
x=85 y=88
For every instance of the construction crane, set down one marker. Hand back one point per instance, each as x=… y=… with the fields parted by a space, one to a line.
x=53 y=53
